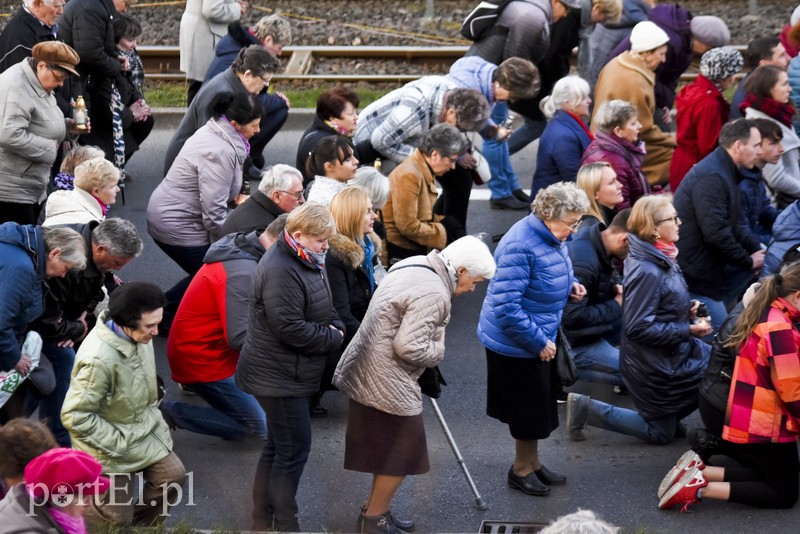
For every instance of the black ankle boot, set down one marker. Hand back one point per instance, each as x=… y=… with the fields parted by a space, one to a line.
x=378 y=524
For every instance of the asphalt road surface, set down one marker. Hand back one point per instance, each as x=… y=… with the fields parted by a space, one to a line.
x=614 y=475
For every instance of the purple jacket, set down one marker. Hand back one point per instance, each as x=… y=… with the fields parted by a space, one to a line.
x=674 y=20
x=626 y=158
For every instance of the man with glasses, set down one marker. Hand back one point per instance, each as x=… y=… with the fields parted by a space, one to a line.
x=717 y=256
x=33 y=23
x=279 y=191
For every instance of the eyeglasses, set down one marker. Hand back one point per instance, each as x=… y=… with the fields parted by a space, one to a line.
x=572 y=227
x=675 y=219
x=297 y=195
x=266 y=80
x=57 y=73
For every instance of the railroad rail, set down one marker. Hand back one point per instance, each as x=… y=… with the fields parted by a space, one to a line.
x=161 y=63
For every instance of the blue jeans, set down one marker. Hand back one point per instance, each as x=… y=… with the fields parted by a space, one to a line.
x=62 y=360
x=504 y=180
x=629 y=422
x=282 y=462
x=525 y=135
x=232 y=415
x=597 y=362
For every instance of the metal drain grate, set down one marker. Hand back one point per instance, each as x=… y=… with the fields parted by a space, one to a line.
x=509 y=527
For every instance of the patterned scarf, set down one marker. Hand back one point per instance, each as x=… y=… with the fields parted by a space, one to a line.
x=782 y=113
x=136 y=67
x=64 y=181
x=338 y=129
x=317 y=259
x=116 y=127
x=670 y=250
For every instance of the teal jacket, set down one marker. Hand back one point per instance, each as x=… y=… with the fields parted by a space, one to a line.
x=111 y=408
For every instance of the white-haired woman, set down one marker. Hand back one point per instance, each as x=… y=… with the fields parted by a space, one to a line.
x=401 y=335
x=566 y=135
x=518 y=325
x=96 y=187
x=377 y=186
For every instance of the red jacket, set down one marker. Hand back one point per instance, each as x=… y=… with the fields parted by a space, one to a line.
x=209 y=327
x=702 y=110
x=764 y=402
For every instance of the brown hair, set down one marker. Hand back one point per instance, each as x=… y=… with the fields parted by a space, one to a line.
x=331 y=104
x=763 y=79
x=519 y=77
x=22 y=440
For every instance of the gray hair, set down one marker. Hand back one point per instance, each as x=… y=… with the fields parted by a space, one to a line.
x=29 y=3
x=375 y=183
x=96 y=173
x=257 y=60
x=568 y=91
x=119 y=237
x=276 y=27
x=554 y=201
x=472 y=108
x=278 y=178
x=583 y=522
x=472 y=254
x=445 y=139
x=614 y=114
x=69 y=242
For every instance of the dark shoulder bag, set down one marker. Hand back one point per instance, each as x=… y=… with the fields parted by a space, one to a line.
x=565 y=362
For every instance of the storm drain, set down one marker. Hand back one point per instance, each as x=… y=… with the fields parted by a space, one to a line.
x=509 y=527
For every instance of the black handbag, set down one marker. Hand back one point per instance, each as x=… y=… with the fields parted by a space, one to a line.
x=565 y=362
x=431 y=382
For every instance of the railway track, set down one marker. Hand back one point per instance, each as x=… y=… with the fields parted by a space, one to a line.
x=161 y=63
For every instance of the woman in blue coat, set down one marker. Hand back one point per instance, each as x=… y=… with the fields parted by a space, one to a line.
x=566 y=135
x=518 y=325
x=662 y=359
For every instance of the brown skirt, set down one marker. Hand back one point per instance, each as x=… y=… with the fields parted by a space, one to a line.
x=384 y=444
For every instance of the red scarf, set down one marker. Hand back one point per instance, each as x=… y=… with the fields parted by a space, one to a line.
x=782 y=113
x=583 y=125
x=670 y=250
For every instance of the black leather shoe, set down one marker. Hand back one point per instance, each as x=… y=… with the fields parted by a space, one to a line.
x=519 y=194
x=550 y=478
x=508 y=203
x=529 y=484
x=379 y=524
x=404 y=525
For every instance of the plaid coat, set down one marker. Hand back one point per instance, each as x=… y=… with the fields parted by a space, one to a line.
x=764 y=402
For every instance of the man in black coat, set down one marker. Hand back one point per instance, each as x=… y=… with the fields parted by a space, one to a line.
x=280 y=191
x=717 y=257
x=593 y=325
x=70 y=303
x=33 y=23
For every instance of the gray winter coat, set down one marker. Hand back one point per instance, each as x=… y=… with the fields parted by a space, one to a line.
x=190 y=205
x=15 y=509
x=522 y=30
x=31 y=128
x=401 y=335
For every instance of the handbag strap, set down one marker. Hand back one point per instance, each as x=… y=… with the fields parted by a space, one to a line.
x=393 y=269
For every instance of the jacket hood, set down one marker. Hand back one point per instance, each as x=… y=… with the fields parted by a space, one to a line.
x=696 y=92
x=348 y=251
x=671 y=17
x=238 y=246
x=238 y=37
x=643 y=251
x=787 y=225
x=29 y=238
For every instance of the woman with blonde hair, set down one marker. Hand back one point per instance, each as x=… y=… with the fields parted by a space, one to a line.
x=96 y=187
x=566 y=136
x=353 y=253
x=65 y=179
x=662 y=358
x=604 y=191
x=761 y=424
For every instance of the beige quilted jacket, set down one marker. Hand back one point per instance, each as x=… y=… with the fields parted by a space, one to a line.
x=402 y=333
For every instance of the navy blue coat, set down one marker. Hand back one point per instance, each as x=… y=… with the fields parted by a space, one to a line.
x=227 y=49
x=561 y=147
x=785 y=234
x=711 y=236
x=525 y=299
x=22 y=273
x=661 y=364
x=597 y=315
x=757 y=214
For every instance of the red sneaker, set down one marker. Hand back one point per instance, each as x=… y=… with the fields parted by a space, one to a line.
x=685 y=463
x=684 y=491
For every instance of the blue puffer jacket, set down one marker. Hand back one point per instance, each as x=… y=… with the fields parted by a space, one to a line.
x=525 y=299
x=794 y=81
x=757 y=215
x=228 y=48
x=561 y=147
x=785 y=233
x=661 y=363
x=22 y=273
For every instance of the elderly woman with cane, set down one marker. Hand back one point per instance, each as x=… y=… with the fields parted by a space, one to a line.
x=401 y=335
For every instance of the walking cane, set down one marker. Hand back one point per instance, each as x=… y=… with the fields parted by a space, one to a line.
x=480 y=504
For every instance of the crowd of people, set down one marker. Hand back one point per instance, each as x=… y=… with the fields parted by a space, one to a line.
x=659 y=254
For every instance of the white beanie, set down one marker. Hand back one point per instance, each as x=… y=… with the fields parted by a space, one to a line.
x=647 y=36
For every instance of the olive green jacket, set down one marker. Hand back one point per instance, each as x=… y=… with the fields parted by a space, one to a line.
x=111 y=408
